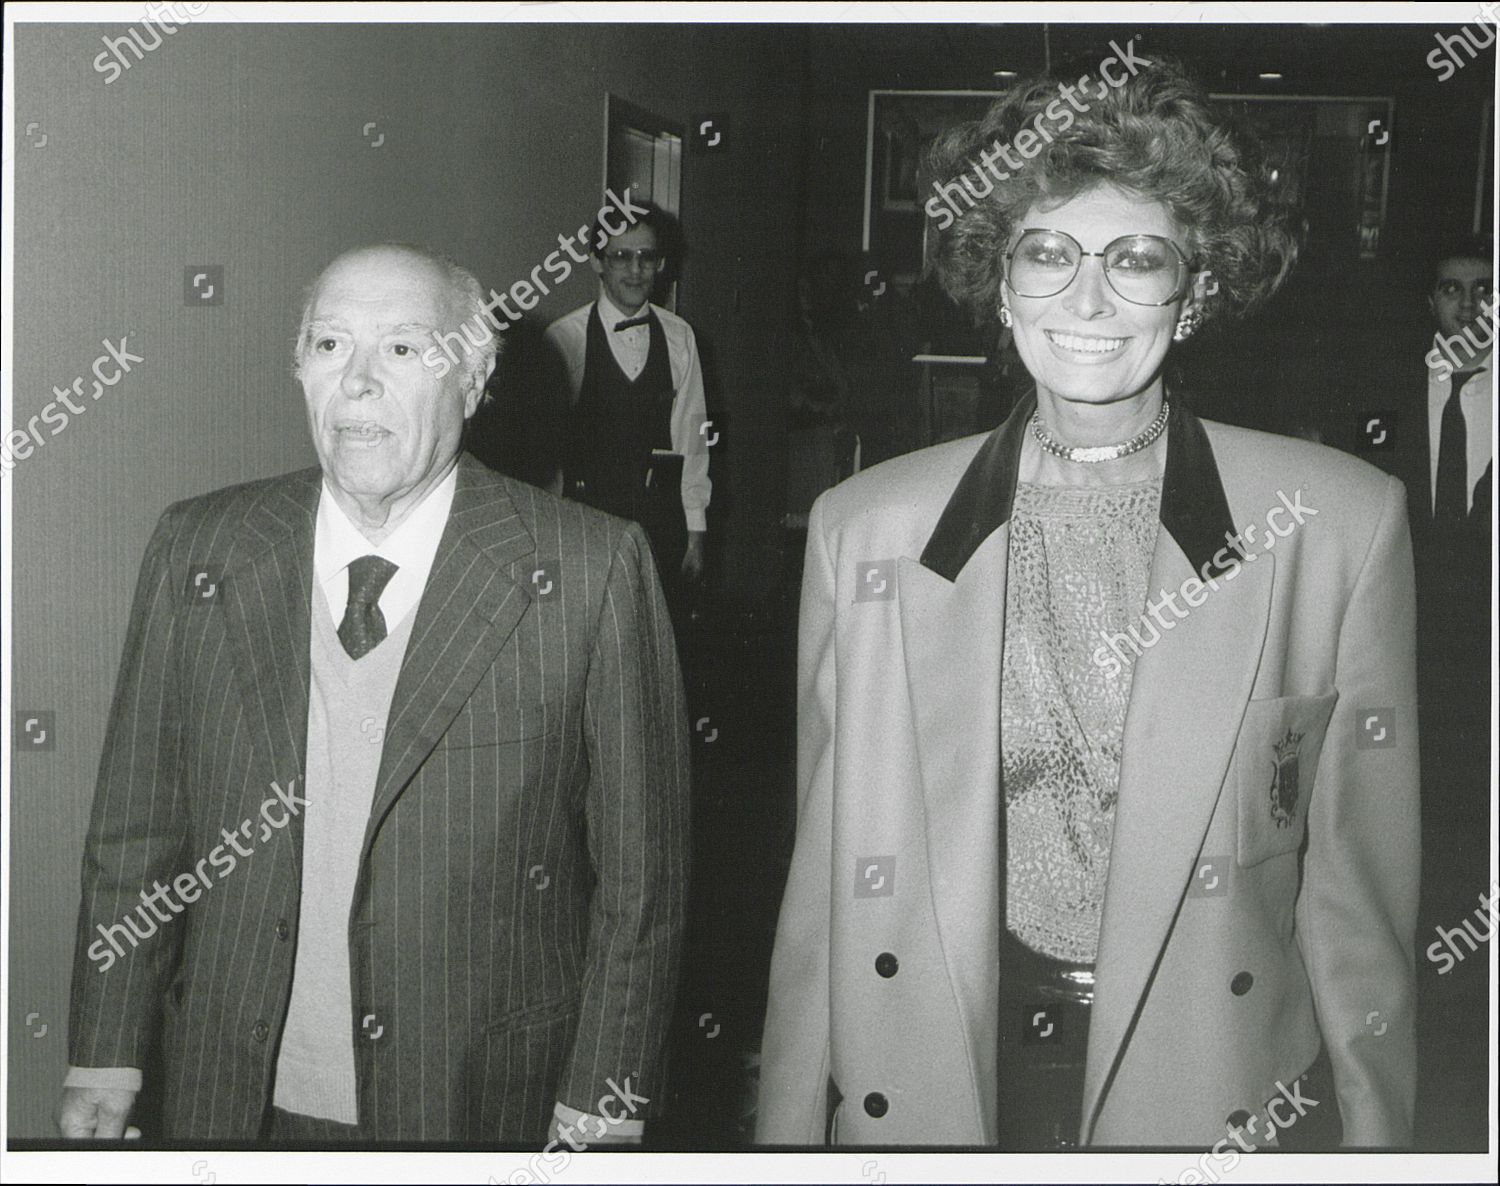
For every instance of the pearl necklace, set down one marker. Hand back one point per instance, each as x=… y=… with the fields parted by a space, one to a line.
x=1095 y=453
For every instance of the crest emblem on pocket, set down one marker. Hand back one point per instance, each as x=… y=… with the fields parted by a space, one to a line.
x=1284 y=789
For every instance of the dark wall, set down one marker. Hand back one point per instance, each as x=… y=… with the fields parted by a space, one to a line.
x=245 y=146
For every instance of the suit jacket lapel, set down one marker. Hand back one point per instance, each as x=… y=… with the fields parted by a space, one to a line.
x=267 y=598
x=1187 y=696
x=468 y=610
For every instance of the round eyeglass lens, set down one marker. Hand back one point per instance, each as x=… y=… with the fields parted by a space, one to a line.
x=1143 y=269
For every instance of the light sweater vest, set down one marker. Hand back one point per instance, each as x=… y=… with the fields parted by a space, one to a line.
x=347 y=706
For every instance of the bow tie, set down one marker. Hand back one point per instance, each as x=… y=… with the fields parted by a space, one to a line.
x=632 y=322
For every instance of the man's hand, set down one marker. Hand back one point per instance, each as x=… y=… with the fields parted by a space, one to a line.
x=692 y=559
x=97 y=1113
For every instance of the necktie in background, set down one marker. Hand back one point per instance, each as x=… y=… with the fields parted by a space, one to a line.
x=1450 y=502
x=363 y=627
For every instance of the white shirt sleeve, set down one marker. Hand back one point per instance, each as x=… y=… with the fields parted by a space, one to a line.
x=109 y=1078
x=693 y=433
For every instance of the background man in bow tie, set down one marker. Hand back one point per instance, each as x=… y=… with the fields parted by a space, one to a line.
x=637 y=437
x=405 y=741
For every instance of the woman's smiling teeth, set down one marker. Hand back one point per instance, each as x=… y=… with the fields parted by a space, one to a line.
x=1084 y=345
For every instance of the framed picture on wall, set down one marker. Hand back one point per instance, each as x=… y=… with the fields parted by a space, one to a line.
x=1484 y=183
x=1334 y=156
x=900 y=125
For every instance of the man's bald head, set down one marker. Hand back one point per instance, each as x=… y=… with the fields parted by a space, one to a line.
x=386 y=412
x=463 y=306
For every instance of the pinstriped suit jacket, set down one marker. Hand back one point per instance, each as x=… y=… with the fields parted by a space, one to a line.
x=516 y=926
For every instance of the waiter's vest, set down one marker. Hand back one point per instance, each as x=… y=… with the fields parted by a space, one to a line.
x=621 y=440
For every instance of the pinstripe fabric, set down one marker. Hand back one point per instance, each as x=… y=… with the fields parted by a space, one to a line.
x=517 y=921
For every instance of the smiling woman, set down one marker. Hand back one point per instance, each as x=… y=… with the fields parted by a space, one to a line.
x=1093 y=924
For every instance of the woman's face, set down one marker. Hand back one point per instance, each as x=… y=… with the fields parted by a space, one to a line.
x=1087 y=344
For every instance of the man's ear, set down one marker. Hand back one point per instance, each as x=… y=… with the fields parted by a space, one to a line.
x=475 y=395
x=595 y=263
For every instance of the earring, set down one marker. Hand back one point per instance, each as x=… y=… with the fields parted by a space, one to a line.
x=1186 y=324
x=1005 y=316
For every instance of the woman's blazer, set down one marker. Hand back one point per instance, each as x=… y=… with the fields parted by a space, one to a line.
x=1262 y=888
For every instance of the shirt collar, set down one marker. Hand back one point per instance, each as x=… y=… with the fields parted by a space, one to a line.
x=610 y=314
x=1443 y=365
x=411 y=546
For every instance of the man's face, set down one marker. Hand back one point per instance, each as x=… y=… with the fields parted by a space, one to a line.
x=1463 y=291
x=384 y=424
x=629 y=284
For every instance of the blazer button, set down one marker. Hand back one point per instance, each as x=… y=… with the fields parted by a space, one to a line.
x=877 y=1105
x=1240 y=985
x=887 y=964
x=283 y=931
x=1237 y=1119
x=260 y=1031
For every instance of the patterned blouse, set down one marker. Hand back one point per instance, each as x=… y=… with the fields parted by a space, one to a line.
x=1078 y=565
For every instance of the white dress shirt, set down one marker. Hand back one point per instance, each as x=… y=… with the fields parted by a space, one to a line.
x=1477 y=400
x=691 y=434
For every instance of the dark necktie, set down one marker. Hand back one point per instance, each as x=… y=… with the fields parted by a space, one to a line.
x=632 y=322
x=1450 y=501
x=363 y=627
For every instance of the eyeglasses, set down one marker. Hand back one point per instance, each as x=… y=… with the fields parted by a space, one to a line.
x=1142 y=269
x=623 y=257
x=1480 y=290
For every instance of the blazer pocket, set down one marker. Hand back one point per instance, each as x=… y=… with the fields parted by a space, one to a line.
x=1274 y=768
x=523 y=722
x=541 y=1013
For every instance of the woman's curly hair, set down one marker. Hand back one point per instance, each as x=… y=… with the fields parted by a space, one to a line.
x=1154 y=136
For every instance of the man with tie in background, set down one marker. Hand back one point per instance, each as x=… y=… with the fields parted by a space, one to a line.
x=637 y=435
x=466 y=925
x=1426 y=415
x=1448 y=466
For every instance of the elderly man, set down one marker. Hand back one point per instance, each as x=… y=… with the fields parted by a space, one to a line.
x=403 y=743
x=638 y=436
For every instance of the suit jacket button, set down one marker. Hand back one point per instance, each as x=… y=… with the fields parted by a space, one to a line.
x=1240 y=985
x=887 y=964
x=283 y=931
x=260 y=1031
x=1237 y=1119
x=877 y=1105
